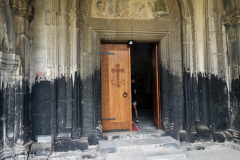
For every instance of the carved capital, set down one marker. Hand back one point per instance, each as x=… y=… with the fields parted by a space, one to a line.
x=4 y=46
x=8 y=62
x=231 y=19
x=23 y=9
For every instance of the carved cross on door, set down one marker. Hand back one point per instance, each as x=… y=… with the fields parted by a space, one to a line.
x=118 y=71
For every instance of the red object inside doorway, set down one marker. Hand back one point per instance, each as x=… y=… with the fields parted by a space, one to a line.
x=135 y=127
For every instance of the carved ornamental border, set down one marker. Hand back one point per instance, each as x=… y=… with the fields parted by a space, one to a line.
x=100 y=35
x=166 y=32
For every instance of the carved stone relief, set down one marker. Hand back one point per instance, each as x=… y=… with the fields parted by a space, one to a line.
x=3 y=32
x=127 y=9
x=4 y=46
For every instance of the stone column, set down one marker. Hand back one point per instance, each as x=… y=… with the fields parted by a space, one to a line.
x=188 y=70
x=9 y=25
x=43 y=102
x=14 y=79
x=201 y=63
x=234 y=52
x=217 y=67
x=232 y=24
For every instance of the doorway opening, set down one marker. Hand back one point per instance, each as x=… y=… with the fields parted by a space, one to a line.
x=120 y=62
x=145 y=71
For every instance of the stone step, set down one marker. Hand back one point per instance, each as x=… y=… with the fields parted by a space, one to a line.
x=137 y=144
x=133 y=135
x=157 y=154
x=6 y=153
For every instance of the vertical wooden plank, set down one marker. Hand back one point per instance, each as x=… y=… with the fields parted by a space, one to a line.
x=130 y=94
x=159 y=89
x=156 y=87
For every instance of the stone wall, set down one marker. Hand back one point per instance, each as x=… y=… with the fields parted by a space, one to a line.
x=61 y=48
x=231 y=22
x=50 y=65
x=205 y=60
x=55 y=52
x=15 y=18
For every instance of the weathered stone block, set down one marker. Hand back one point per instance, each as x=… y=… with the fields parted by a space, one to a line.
x=38 y=149
x=203 y=134
x=8 y=62
x=93 y=140
x=188 y=137
x=44 y=138
x=228 y=136
x=107 y=147
x=218 y=137
x=66 y=146
x=175 y=135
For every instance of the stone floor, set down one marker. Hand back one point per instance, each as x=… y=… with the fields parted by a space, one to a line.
x=145 y=117
x=149 y=144
x=185 y=151
x=217 y=154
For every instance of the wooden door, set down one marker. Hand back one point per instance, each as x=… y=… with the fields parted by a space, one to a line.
x=116 y=87
x=156 y=87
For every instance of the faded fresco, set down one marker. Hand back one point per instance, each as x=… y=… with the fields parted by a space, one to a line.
x=127 y=9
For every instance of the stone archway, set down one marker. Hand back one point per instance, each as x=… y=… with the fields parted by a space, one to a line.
x=165 y=29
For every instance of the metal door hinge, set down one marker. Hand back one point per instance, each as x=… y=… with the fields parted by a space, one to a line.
x=108 y=119
x=108 y=53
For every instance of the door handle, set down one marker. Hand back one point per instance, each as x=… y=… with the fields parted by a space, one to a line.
x=125 y=95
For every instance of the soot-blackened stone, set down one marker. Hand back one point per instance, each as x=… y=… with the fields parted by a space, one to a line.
x=228 y=136
x=116 y=137
x=93 y=140
x=188 y=137
x=105 y=138
x=175 y=135
x=218 y=137
x=44 y=149
x=203 y=134
x=200 y=148
x=1 y=116
x=66 y=146
x=41 y=109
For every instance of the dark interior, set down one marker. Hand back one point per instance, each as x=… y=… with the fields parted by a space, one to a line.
x=141 y=69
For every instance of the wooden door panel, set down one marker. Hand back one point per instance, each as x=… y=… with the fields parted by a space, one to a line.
x=116 y=80
x=156 y=88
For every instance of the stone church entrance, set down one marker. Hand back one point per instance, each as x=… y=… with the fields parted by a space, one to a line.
x=50 y=70
x=119 y=62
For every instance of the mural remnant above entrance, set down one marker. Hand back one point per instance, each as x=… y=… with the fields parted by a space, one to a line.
x=127 y=9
